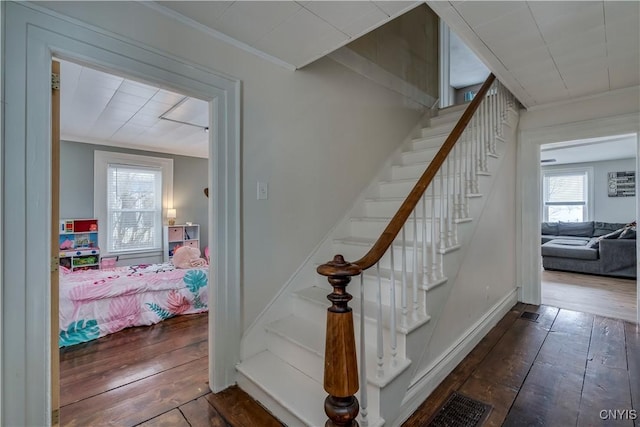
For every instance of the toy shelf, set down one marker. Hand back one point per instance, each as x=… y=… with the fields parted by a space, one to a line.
x=78 y=243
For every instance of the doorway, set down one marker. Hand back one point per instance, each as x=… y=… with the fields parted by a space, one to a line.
x=589 y=184
x=26 y=303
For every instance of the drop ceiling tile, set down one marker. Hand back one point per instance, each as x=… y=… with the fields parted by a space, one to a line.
x=167 y=97
x=134 y=102
x=143 y=119
x=204 y=12
x=621 y=13
x=116 y=113
x=578 y=40
x=558 y=18
x=300 y=38
x=478 y=13
x=93 y=78
x=249 y=21
x=154 y=108
x=515 y=28
x=624 y=74
x=137 y=89
x=351 y=17
x=392 y=8
x=582 y=55
x=515 y=59
x=128 y=131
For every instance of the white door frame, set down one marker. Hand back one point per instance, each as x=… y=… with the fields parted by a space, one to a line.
x=32 y=36
x=529 y=175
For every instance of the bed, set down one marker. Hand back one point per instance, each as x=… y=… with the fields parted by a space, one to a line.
x=95 y=303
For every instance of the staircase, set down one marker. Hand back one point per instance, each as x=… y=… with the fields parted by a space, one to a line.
x=394 y=300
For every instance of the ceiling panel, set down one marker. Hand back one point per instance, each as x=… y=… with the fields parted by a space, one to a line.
x=558 y=18
x=393 y=8
x=251 y=20
x=301 y=37
x=351 y=17
x=478 y=13
x=204 y=12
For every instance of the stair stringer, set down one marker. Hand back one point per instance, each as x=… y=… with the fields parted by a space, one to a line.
x=254 y=338
x=424 y=381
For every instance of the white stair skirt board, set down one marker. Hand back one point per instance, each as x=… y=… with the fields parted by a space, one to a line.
x=287 y=375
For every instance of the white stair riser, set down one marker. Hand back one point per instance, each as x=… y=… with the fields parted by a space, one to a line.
x=310 y=309
x=417 y=156
x=449 y=118
x=312 y=365
x=387 y=208
x=371 y=289
x=373 y=228
x=427 y=143
x=441 y=129
x=402 y=188
x=354 y=252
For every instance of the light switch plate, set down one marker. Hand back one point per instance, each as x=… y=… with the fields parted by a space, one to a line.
x=263 y=190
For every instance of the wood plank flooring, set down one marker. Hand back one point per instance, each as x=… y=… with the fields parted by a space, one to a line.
x=560 y=370
x=150 y=376
x=604 y=296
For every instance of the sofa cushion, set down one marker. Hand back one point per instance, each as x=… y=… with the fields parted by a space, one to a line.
x=601 y=228
x=569 y=249
x=549 y=228
x=581 y=229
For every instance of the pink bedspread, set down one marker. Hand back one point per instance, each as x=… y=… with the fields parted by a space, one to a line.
x=95 y=303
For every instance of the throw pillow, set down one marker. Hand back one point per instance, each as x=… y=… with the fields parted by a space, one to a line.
x=595 y=242
x=629 y=232
x=549 y=228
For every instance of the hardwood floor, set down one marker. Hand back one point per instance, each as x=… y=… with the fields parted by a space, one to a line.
x=150 y=376
x=604 y=296
x=560 y=370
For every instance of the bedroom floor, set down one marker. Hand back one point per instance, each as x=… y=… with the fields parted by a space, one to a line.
x=150 y=376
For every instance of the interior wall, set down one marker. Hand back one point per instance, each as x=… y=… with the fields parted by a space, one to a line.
x=76 y=184
x=612 y=113
x=407 y=47
x=317 y=136
x=605 y=208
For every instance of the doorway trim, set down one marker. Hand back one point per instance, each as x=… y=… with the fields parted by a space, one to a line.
x=33 y=35
x=529 y=174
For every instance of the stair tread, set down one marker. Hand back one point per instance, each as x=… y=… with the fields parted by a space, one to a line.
x=293 y=389
x=311 y=336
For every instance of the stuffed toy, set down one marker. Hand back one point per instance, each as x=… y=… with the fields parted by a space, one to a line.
x=188 y=257
x=66 y=244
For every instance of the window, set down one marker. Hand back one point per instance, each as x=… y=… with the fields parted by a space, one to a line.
x=566 y=195
x=131 y=195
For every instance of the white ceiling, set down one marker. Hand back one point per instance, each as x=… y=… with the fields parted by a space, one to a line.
x=550 y=51
x=101 y=108
x=543 y=51
x=295 y=33
x=589 y=150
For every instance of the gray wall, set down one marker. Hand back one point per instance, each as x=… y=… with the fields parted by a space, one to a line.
x=76 y=183
x=605 y=208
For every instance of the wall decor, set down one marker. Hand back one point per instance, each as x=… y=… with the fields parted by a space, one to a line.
x=622 y=184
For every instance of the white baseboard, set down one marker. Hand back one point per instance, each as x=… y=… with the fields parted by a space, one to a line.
x=432 y=376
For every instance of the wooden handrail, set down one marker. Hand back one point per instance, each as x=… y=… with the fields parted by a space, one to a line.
x=340 y=378
x=397 y=222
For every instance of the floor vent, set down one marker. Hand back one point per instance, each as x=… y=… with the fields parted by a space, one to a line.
x=527 y=315
x=460 y=411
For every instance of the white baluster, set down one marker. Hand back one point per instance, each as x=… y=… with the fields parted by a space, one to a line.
x=434 y=259
x=379 y=339
x=443 y=230
x=416 y=267
x=363 y=360
x=449 y=200
x=425 y=268
x=392 y=314
x=403 y=291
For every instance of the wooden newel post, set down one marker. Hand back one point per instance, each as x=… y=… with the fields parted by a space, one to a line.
x=340 y=365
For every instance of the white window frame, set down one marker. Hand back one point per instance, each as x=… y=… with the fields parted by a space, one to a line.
x=588 y=171
x=102 y=160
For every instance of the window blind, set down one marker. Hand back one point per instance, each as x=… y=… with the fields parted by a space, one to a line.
x=134 y=208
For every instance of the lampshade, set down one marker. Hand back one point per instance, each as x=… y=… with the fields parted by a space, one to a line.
x=171 y=216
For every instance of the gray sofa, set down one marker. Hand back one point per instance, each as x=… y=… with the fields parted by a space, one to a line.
x=591 y=247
